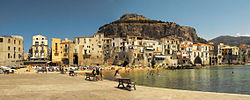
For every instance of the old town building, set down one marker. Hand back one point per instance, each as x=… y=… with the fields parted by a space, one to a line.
x=227 y=54
x=200 y=54
x=62 y=51
x=11 y=50
x=90 y=49
x=39 y=48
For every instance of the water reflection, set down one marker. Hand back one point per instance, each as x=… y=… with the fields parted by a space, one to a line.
x=215 y=79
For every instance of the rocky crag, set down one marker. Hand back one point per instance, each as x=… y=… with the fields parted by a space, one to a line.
x=138 y=25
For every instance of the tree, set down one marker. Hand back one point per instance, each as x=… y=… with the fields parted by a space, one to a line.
x=126 y=62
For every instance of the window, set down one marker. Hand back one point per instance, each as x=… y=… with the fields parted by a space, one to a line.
x=36 y=43
x=42 y=38
x=14 y=48
x=65 y=50
x=1 y=39
x=36 y=38
x=14 y=41
x=19 y=42
x=19 y=49
x=56 y=47
x=14 y=55
x=8 y=40
x=8 y=47
x=42 y=42
x=8 y=55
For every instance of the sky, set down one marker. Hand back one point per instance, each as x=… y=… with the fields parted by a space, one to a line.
x=74 y=18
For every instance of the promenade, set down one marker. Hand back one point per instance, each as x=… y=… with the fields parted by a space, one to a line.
x=54 y=86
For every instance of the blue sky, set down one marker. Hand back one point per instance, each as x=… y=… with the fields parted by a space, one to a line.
x=73 y=18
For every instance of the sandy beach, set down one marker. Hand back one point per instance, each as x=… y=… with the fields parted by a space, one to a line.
x=55 y=86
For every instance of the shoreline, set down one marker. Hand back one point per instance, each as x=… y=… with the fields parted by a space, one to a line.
x=62 y=86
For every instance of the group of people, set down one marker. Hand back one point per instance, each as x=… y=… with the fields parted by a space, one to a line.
x=97 y=72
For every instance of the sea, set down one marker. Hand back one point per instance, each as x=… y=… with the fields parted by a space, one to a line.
x=227 y=79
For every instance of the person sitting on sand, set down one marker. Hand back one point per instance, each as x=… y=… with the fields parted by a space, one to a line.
x=117 y=75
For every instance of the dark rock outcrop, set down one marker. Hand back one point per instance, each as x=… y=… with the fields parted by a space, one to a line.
x=138 y=25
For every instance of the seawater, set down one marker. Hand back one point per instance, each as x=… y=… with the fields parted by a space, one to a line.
x=228 y=79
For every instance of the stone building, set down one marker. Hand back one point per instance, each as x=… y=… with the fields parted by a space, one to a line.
x=195 y=54
x=170 y=50
x=90 y=50
x=11 y=50
x=186 y=52
x=200 y=54
x=244 y=57
x=39 y=48
x=62 y=51
x=213 y=60
x=227 y=54
x=144 y=52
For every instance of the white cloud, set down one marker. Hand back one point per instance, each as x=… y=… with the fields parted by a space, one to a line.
x=245 y=34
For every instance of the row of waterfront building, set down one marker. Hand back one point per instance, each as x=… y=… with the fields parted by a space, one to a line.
x=130 y=50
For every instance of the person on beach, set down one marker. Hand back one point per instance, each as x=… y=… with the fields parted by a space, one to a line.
x=97 y=73
x=94 y=74
x=101 y=75
x=117 y=75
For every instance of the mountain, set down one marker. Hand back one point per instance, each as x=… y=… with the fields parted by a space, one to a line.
x=138 y=25
x=231 y=40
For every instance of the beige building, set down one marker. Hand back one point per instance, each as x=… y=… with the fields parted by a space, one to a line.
x=196 y=54
x=200 y=54
x=62 y=51
x=212 y=54
x=170 y=46
x=90 y=50
x=186 y=52
x=11 y=50
x=227 y=54
x=39 y=48
x=170 y=50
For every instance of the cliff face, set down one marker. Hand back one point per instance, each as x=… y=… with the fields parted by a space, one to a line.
x=138 y=25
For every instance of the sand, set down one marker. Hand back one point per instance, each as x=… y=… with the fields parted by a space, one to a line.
x=55 y=86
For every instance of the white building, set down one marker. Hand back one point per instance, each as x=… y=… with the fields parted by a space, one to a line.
x=39 y=48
